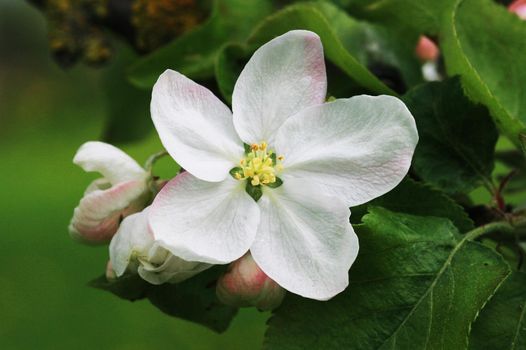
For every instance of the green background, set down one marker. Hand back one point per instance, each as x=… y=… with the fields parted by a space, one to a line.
x=46 y=113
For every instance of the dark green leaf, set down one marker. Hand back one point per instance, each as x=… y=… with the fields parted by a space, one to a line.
x=413 y=286
x=194 y=300
x=383 y=50
x=415 y=198
x=457 y=138
x=129 y=287
x=418 y=16
x=501 y=324
x=309 y=17
x=484 y=43
x=194 y=53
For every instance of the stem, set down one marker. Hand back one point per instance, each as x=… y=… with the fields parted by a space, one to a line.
x=500 y=226
x=154 y=158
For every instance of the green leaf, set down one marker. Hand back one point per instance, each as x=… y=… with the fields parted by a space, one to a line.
x=424 y=201
x=375 y=46
x=457 y=137
x=129 y=287
x=502 y=322
x=194 y=53
x=309 y=17
x=418 y=16
x=194 y=300
x=127 y=107
x=484 y=43
x=413 y=286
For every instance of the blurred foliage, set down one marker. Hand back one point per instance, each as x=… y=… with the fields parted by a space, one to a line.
x=45 y=115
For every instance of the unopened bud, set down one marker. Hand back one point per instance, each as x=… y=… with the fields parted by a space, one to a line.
x=519 y=8
x=245 y=284
x=426 y=49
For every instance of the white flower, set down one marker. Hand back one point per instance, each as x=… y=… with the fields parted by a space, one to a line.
x=133 y=249
x=123 y=190
x=336 y=155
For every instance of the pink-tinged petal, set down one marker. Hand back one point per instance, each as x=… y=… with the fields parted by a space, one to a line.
x=284 y=76
x=115 y=165
x=195 y=127
x=99 y=213
x=355 y=149
x=211 y=222
x=245 y=284
x=305 y=241
x=426 y=49
x=519 y=8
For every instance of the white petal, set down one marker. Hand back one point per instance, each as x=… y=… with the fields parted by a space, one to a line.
x=162 y=267
x=204 y=221
x=97 y=217
x=356 y=149
x=115 y=165
x=195 y=127
x=305 y=241
x=133 y=240
x=284 y=76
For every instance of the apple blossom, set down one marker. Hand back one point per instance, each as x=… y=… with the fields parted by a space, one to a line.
x=133 y=249
x=123 y=190
x=245 y=284
x=285 y=196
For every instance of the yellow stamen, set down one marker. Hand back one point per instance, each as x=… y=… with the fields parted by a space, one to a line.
x=259 y=166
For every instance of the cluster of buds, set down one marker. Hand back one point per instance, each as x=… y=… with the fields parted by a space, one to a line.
x=115 y=209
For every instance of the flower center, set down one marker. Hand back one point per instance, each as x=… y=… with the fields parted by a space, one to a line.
x=259 y=166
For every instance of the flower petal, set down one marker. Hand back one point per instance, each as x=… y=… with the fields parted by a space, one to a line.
x=97 y=217
x=133 y=239
x=284 y=76
x=115 y=165
x=204 y=221
x=195 y=127
x=305 y=241
x=164 y=267
x=355 y=149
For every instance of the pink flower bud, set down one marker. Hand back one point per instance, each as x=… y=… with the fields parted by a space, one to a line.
x=519 y=8
x=245 y=284
x=122 y=190
x=426 y=49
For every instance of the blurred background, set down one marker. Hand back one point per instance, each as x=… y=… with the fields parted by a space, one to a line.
x=63 y=67
x=46 y=113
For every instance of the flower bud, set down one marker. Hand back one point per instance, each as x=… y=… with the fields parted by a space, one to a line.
x=123 y=190
x=245 y=284
x=133 y=249
x=426 y=49
x=519 y=8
